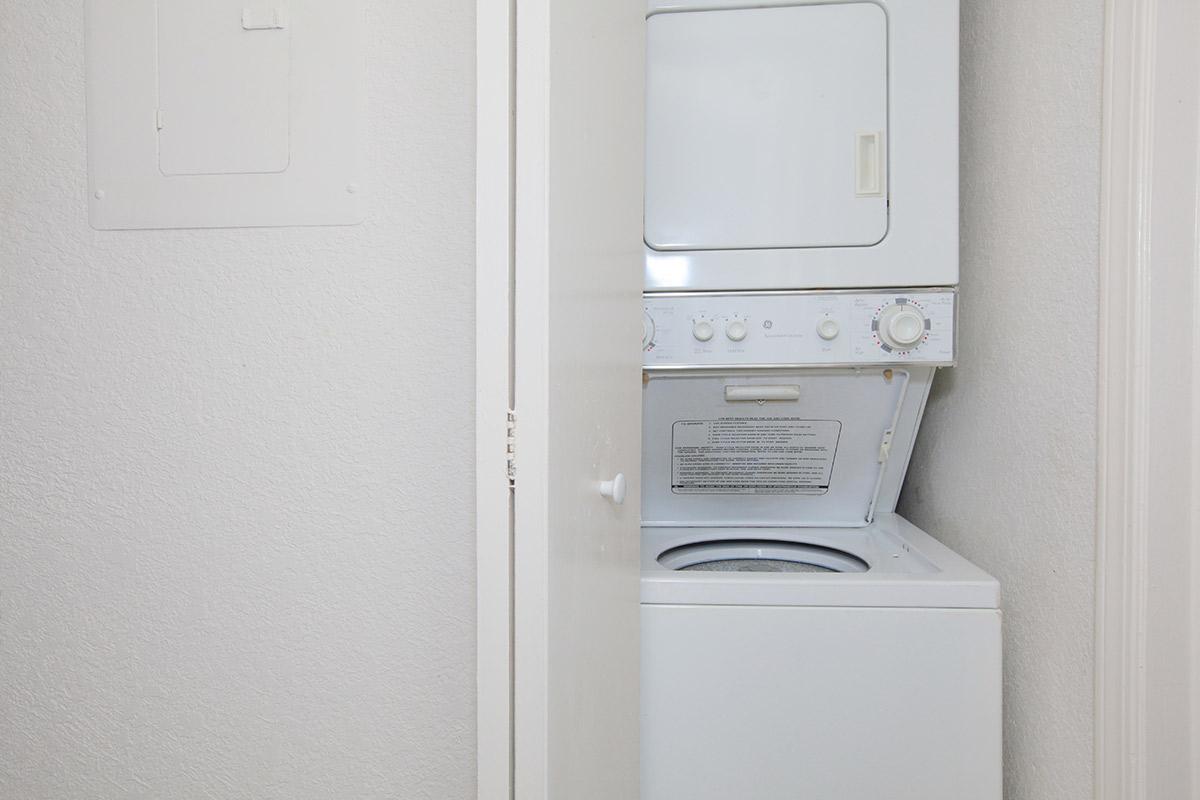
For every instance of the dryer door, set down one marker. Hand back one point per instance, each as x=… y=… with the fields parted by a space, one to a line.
x=767 y=128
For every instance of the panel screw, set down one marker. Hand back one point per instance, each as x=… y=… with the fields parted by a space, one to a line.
x=99 y=194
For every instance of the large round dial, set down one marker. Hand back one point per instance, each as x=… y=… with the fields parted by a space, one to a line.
x=901 y=326
x=647 y=330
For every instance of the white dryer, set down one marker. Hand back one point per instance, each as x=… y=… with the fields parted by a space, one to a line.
x=801 y=144
x=799 y=638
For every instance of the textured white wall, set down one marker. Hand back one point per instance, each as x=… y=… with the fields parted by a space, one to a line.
x=236 y=545
x=1005 y=467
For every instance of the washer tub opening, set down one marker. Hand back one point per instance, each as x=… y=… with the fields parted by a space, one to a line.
x=759 y=555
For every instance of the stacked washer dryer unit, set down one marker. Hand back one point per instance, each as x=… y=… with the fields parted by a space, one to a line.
x=800 y=639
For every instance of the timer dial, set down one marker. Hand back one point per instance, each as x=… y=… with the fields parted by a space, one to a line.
x=901 y=326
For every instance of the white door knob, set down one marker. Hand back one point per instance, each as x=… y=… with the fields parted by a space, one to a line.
x=614 y=489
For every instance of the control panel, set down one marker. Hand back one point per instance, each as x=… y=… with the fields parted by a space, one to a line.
x=894 y=326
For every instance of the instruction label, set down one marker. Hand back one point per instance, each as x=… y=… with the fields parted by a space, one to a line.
x=740 y=455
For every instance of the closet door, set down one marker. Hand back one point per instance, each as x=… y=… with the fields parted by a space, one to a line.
x=579 y=144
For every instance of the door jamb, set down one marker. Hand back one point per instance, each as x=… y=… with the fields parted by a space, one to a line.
x=1148 y=510
x=494 y=260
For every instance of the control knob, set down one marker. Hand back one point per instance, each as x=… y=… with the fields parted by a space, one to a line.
x=828 y=329
x=736 y=330
x=901 y=326
x=702 y=330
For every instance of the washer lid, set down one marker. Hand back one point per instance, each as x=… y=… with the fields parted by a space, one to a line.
x=767 y=127
x=805 y=447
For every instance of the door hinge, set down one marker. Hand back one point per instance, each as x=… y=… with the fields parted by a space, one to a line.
x=885 y=447
x=511 y=449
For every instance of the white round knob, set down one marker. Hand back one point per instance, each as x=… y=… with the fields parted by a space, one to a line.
x=703 y=331
x=614 y=489
x=647 y=330
x=736 y=330
x=901 y=326
x=828 y=329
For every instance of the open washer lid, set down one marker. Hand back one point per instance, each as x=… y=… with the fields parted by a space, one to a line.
x=781 y=447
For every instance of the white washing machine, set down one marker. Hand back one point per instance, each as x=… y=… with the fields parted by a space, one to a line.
x=801 y=144
x=799 y=638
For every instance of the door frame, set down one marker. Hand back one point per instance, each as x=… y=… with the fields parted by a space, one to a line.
x=1136 y=281
x=1148 y=509
x=494 y=265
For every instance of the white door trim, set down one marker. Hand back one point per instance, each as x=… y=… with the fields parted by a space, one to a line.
x=493 y=397
x=1147 y=725
x=531 y=248
x=1121 y=552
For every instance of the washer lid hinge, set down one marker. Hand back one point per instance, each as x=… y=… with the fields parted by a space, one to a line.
x=885 y=447
x=511 y=449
